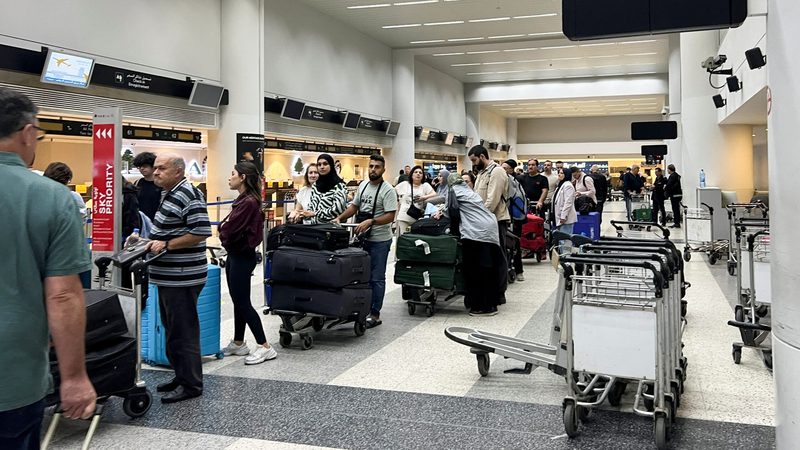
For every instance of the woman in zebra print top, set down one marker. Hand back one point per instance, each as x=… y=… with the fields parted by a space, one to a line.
x=329 y=194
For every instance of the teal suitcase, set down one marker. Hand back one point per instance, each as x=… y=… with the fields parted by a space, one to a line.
x=428 y=249
x=431 y=276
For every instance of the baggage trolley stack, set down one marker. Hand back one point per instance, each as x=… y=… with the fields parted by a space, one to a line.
x=113 y=361
x=738 y=214
x=314 y=281
x=698 y=224
x=640 y=230
x=605 y=292
x=426 y=267
x=753 y=318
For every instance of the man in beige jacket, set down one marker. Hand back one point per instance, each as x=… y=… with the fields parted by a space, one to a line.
x=491 y=185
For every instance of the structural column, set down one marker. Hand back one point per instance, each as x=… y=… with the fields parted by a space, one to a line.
x=403 y=103
x=242 y=49
x=473 y=130
x=511 y=133
x=674 y=152
x=725 y=153
x=784 y=134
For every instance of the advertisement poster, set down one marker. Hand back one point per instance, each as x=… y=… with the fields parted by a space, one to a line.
x=250 y=147
x=103 y=180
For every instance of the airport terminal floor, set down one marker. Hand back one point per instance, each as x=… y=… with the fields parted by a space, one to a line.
x=405 y=385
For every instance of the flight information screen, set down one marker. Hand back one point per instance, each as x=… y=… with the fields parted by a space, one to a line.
x=67 y=70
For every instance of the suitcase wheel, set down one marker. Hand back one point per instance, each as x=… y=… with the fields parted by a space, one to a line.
x=285 y=339
x=137 y=405
x=359 y=328
x=307 y=341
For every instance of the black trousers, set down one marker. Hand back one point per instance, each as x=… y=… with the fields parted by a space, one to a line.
x=238 y=271
x=676 y=210
x=516 y=228
x=502 y=227
x=484 y=275
x=600 y=205
x=178 y=307
x=658 y=206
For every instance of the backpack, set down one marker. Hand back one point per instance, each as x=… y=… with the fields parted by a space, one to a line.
x=585 y=205
x=515 y=197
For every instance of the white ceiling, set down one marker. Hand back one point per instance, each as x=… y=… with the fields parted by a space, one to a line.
x=607 y=106
x=484 y=41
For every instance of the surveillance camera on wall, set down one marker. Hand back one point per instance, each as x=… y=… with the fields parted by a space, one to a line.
x=665 y=110
x=713 y=62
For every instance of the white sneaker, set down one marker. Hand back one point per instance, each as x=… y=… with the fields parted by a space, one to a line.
x=236 y=350
x=520 y=277
x=260 y=355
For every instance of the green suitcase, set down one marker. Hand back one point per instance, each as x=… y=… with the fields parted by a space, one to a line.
x=428 y=249
x=643 y=215
x=433 y=276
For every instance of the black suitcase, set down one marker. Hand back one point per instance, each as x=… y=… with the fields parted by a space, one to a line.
x=323 y=268
x=104 y=318
x=431 y=227
x=275 y=237
x=111 y=368
x=322 y=236
x=344 y=303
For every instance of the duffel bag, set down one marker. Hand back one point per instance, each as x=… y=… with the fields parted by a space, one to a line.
x=428 y=249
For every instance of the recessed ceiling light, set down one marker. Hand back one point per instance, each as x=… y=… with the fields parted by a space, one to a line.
x=507 y=36
x=565 y=59
x=641 y=73
x=641 y=54
x=602 y=56
x=491 y=19
x=548 y=33
x=378 y=5
x=416 y=2
x=610 y=75
x=495 y=63
x=465 y=64
x=483 y=52
x=599 y=44
x=638 y=42
x=407 y=25
x=451 y=22
x=465 y=39
x=432 y=41
x=533 y=60
x=480 y=73
x=529 y=49
x=448 y=54
x=558 y=47
x=576 y=76
x=536 y=16
x=511 y=71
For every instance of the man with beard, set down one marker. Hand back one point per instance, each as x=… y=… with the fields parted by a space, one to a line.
x=374 y=206
x=491 y=185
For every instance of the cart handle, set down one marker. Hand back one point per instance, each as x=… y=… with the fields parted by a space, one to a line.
x=618 y=225
x=749 y=326
x=710 y=208
x=751 y=239
x=664 y=268
x=636 y=249
x=658 y=279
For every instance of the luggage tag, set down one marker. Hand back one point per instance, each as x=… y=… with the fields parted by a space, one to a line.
x=426 y=278
x=426 y=248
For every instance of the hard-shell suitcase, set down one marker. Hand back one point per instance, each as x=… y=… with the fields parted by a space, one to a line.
x=344 y=303
x=322 y=236
x=111 y=368
x=428 y=249
x=431 y=227
x=588 y=225
x=322 y=268
x=532 y=238
x=104 y=318
x=154 y=338
x=432 y=276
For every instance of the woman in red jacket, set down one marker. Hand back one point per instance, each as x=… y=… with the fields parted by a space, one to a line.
x=241 y=232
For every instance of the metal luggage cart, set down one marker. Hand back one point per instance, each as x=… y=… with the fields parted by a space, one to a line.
x=739 y=214
x=699 y=226
x=640 y=230
x=604 y=352
x=744 y=229
x=753 y=318
x=641 y=208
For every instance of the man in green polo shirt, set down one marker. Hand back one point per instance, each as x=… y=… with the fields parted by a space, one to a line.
x=40 y=291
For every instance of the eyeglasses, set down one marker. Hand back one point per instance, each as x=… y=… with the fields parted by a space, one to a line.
x=41 y=133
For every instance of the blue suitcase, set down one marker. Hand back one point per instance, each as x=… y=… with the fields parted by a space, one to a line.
x=154 y=338
x=588 y=225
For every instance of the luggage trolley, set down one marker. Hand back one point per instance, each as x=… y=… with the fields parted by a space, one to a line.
x=753 y=319
x=136 y=398
x=741 y=212
x=641 y=208
x=424 y=270
x=640 y=230
x=744 y=229
x=699 y=226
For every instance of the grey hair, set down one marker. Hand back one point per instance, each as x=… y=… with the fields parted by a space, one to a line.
x=16 y=111
x=178 y=163
x=594 y=167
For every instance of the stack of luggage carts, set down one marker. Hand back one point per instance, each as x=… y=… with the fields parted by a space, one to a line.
x=428 y=264
x=314 y=280
x=617 y=322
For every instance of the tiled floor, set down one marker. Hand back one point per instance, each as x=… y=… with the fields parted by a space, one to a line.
x=405 y=385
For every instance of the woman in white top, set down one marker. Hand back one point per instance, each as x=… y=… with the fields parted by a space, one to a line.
x=303 y=197
x=564 y=202
x=421 y=193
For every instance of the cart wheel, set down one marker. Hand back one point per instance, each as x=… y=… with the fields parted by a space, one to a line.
x=737 y=355
x=731 y=269
x=660 y=431
x=570 y=419
x=137 y=405
x=767 y=357
x=748 y=336
x=512 y=276
x=360 y=328
x=430 y=310
x=285 y=340
x=616 y=393
x=483 y=363
x=412 y=308
x=762 y=310
x=317 y=323
x=307 y=343
x=687 y=255
x=538 y=257
x=712 y=258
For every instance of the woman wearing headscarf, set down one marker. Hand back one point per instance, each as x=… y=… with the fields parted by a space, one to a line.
x=328 y=195
x=486 y=267
x=415 y=191
x=564 y=215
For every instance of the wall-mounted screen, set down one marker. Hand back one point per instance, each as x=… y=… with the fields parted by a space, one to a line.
x=292 y=109
x=351 y=121
x=426 y=132
x=67 y=70
x=393 y=128
x=646 y=131
x=206 y=95
x=449 y=139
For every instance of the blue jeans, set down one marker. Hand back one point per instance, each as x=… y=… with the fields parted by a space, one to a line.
x=566 y=228
x=628 y=206
x=20 y=428
x=378 y=255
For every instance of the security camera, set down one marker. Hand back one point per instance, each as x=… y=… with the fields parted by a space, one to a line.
x=713 y=62
x=665 y=110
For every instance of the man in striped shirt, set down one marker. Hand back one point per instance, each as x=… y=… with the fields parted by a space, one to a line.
x=181 y=227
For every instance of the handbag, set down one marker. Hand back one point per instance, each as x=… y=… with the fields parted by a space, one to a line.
x=414 y=212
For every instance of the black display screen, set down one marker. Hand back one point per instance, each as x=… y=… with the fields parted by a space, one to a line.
x=351 y=121
x=654 y=150
x=649 y=131
x=393 y=128
x=292 y=109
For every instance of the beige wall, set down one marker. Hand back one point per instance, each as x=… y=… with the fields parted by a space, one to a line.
x=77 y=155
